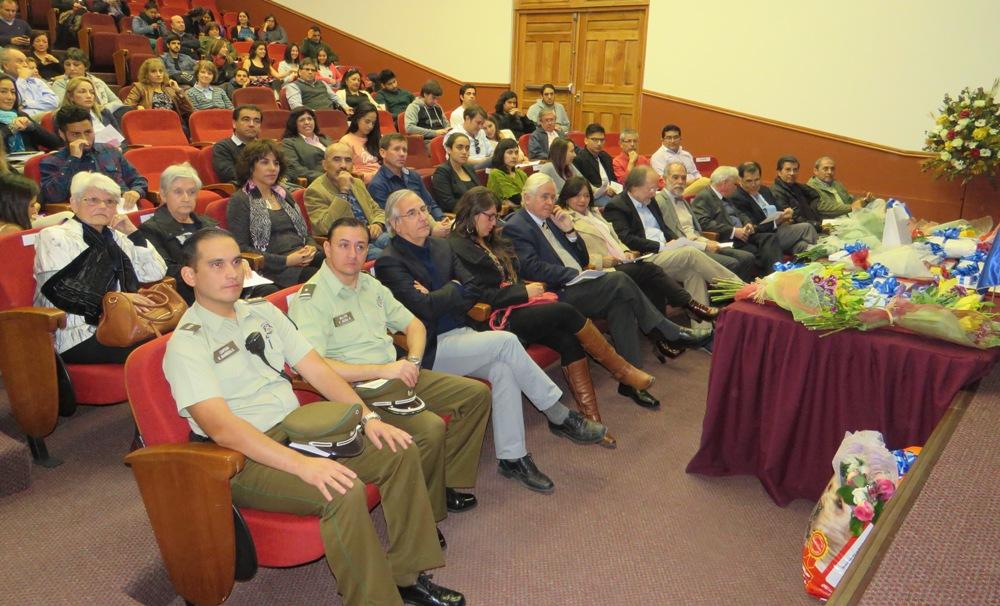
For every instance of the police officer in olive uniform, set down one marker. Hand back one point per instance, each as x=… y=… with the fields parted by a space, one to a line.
x=239 y=399
x=344 y=313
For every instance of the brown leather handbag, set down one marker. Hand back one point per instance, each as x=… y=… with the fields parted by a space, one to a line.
x=123 y=324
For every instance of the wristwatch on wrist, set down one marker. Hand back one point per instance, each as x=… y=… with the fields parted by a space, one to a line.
x=414 y=360
x=371 y=416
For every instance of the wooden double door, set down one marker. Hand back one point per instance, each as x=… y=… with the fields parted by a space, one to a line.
x=592 y=54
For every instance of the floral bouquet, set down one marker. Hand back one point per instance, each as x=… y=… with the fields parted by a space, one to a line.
x=965 y=139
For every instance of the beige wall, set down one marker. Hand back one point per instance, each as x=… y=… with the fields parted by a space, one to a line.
x=466 y=39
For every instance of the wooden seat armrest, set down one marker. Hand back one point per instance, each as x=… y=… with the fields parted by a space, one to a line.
x=201 y=144
x=136 y=146
x=154 y=197
x=52 y=208
x=223 y=189
x=46 y=318
x=320 y=241
x=480 y=312
x=711 y=235
x=185 y=488
x=29 y=366
x=255 y=259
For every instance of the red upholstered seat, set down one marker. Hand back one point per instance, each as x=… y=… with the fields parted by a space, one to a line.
x=261 y=96
x=437 y=150
x=416 y=153
x=151 y=161
x=522 y=142
x=211 y=125
x=272 y=122
x=217 y=210
x=576 y=137
x=98 y=383
x=542 y=355
x=155 y=127
x=706 y=164
x=385 y=122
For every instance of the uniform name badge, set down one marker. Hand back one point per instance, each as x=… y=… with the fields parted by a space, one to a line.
x=225 y=351
x=342 y=319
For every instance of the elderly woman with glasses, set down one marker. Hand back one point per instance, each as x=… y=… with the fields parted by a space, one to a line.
x=490 y=259
x=99 y=250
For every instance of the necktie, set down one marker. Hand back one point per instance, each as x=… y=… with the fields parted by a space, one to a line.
x=475 y=144
x=567 y=259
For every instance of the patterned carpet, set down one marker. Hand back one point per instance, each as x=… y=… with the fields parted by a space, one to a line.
x=624 y=526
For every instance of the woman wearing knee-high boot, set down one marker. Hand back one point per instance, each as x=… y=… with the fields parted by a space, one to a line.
x=490 y=259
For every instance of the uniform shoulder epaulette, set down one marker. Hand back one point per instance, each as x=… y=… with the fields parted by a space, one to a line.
x=306 y=292
x=190 y=327
x=255 y=300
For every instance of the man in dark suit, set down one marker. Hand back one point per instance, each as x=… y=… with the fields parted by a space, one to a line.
x=804 y=201
x=547 y=132
x=550 y=251
x=595 y=164
x=715 y=213
x=756 y=202
x=424 y=276
x=246 y=128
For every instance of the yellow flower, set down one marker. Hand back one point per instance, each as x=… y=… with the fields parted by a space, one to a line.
x=967 y=233
x=980 y=133
x=942 y=119
x=968 y=302
x=971 y=323
x=946 y=285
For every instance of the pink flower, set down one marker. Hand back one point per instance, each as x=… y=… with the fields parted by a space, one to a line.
x=964 y=113
x=885 y=488
x=864 y=512
x=950 y=135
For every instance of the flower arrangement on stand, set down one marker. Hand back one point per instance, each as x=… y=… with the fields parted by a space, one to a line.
x=965 y=139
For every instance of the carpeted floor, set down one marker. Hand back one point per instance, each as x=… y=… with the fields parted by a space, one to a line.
x=624 y=526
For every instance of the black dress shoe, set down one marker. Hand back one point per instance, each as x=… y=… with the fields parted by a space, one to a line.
x=665 y=350
x=459 y=501
x=691 y=338
x=579 y=428
x=524 y=471
x=700 y=311
x=639 y=396
x=426 y=593
x=444 y=544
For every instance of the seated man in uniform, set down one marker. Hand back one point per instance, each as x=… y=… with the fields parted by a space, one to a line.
x=834 y=200
x=239 y=400
x=424 y=275
x=338 y=194
x=344 y=313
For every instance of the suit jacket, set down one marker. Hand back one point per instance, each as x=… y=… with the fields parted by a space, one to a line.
x=304 y=160
x=485 y=276
x=538 y=259
x=804 y=202
x=621 y=213
x=713 y=216
x=398 y=268
x=749 y=207
x=665 y=204
x=325 y=204
x=538 y=144
x=586 y=163
x=224 y=154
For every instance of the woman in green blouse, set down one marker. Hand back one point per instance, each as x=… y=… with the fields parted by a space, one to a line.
x=506 y=179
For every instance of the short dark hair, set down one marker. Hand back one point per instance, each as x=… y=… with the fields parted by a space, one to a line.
x=171 y=38
x=473 y=111
x=252 y=152
x=571 y=188
x=150 y=4
x=388 y=139
x=346 y=222
x=241 y=108
x=431 y=87
x=315 y=28
x=504 y=96
x=497 y=162
x=593 y=128
x=189 y=250
x=386 y=75
x=748 y=167
x=75 y=54
x=783 y=160
x=307 y=61
x=452 y=137
x=666 y=129
x=291 y=125
x=548 y=85
x=463 y=88
x=71 y=114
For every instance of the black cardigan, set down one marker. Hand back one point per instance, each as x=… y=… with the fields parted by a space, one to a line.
x=485 y=276
x=447 y=188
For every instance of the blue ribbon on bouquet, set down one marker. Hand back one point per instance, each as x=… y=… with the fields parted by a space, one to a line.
x=965 y=268
x=948 y=234
x=855 y=247
x=877 y=270
x=861 y=280
x=937 y=250
x=887 y=286
x=787 y=266
x=892 y=202
x=976 y=257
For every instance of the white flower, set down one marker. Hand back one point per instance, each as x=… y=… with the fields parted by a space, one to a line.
x=971 y=144
x=945 y=156
x=980 y=123
x=860 y=495
x=985 y=153
x=963 y=123
x=993 y=131
x=979 y=103
x=958 y=164
x=957 y=142
x=943 y=132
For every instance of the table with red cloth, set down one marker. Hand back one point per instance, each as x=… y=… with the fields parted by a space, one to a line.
x=780 y=396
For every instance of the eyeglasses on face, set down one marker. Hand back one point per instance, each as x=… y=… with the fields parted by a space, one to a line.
x=414 y=212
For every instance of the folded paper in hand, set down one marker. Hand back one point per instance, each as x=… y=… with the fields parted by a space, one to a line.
x=587 y=274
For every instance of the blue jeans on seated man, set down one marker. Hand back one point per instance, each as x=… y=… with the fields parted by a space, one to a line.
x=375 y=248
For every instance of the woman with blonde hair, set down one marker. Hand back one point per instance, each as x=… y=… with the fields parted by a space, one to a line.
x=154 y=90
x=81 y=92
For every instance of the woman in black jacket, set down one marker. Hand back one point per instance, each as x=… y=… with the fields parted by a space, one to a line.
x=18 y=131
x=453 y=177
x=508 y=115
x=491 y=261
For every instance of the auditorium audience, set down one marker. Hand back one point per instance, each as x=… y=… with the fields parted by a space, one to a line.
x=756 y=202
x=213 y=33
x=595 y=165
x=629 y=157
x=303 y=145
x=242 y=30
x=34 y=94
x=423 y=115
x=75 y=65
x=80 y=93
x=148 y=23
x=221 y=55
x=246 y=129
x=289 y=65
x=834 y=200
x=804 y=201
x=13 y=30
x=80 y=153
x=18 y=131
x=190 y=45
x=506 y=180
x=313 y=42
x=363 y=136
x=326 y=70
x=423 y=274
x=548 y=101
x=351 y=94
x=270 y=31
x=78 y=261
x=560 y=166
x=264 y=219
x=543 y=136
x=394 y=176
x=258 y=66
x=153 y=90
x=480 y=148
x=394 y=98
x=508 y=116
x=241 y=79
x=337 y=194
x=453 y=177
x=466 y=98
x=17 y=200
x=203 y=95
x=180 y=66
x=309 y=91
x=49 y=66
x=490 y=260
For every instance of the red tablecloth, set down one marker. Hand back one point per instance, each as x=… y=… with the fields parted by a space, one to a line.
x=780 y=397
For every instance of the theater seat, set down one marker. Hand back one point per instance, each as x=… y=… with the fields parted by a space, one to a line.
x=437 y=150
x=151 y=161
x=385 y=122
x=261 y=96
x=706 y=164
x=185 y=488
x=522 y=142
x=211 y=125
x=416 y=154
x=217 y=210
x=202 y=162
x=272 y=122
x=156 y=127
